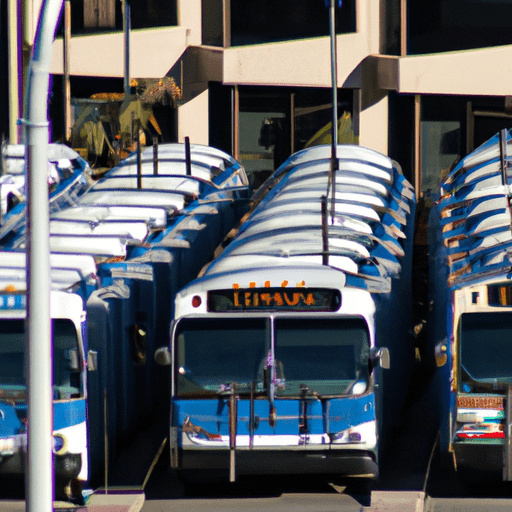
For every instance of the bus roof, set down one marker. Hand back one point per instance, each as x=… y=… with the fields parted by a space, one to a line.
x=365 y=227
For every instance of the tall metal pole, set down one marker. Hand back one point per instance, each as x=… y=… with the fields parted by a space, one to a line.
x=334 y=80
x=334 y=75
x=39 y=481
x=126 y=30
x=67 y=84
x=13 y=40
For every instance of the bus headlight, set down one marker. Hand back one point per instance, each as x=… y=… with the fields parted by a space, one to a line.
x=365 y=433
x=7 y=445
x=346 y=437
x=60 y=444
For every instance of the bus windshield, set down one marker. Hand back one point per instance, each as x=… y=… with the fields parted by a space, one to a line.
x=215 y=353
x=328 y=356
x=66 y=377
x=486 y=346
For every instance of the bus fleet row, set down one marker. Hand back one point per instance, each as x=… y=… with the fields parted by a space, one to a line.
x=291 y=351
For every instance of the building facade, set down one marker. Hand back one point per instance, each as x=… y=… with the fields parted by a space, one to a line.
x=424 y=83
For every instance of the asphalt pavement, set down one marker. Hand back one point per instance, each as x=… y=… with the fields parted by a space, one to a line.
x=114 y=502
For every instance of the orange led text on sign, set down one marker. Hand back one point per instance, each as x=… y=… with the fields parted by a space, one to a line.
x=258 y=298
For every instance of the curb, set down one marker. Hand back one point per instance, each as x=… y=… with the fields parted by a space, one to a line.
x=397 y=501
x=116 y=502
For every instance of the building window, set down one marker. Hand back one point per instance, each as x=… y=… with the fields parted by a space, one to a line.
x=212 y=23
x=268 y=21
x=451 y=25
x=266 y=118
x=441 y=146
x=99 y=14
x=92 y=16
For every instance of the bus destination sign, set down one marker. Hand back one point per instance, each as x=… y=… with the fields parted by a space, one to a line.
x=289 y=299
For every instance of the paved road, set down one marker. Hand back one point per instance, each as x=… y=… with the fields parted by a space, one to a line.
x=468 y=505
x=383 y=502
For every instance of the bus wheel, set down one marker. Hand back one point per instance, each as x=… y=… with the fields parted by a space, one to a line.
x=69 y=491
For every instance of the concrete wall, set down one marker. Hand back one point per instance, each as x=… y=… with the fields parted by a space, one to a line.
x=486 y=72
x=152 y=53
x=193 y=120
x=189 y=16
x=373 y=125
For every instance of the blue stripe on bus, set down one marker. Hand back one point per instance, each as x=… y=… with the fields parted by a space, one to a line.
x=213 y=415
x=68 y=413
x=10 y=424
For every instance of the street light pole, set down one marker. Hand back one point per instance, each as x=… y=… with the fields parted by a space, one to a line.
x=39 y=480
x=127 y=22
x=334 y=73
x=334 y=82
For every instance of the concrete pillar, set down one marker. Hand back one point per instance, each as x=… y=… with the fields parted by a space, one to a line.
x=373 y=125
x=190 y=17
x=193 y=119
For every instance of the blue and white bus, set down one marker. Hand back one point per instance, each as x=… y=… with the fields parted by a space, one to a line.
x=471 y=308
x=70 y=359
x=69 y=176
x=145 y=230
x=277 y=350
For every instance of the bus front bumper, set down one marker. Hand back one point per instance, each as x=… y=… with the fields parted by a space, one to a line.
x=348 y=463
x=476 y=454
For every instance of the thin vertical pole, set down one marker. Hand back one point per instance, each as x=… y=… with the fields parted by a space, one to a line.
x=155 y=156
x=503 y=155
x=334 y=79
x=39 y=481
x=67 y=85
x=126 y=30
x=226 y=22
x=188 y=158
x=236 y=123
x=334 y=76
x=233 y=419
x=292 y=122
x=403 y=28
x=325 y=234
x=417 y=145
x=139 y=161
x=13 y=39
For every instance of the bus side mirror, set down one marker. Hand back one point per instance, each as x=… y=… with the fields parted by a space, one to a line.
x=163 y=356
x=92 y=360
x=381 y=357
x=441 y=353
